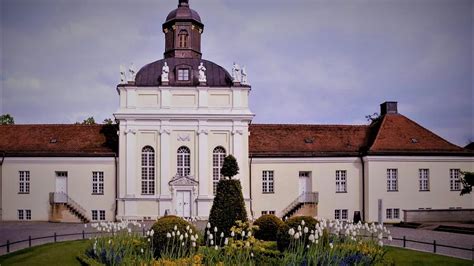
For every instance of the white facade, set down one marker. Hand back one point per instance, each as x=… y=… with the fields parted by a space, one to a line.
x=167 y=118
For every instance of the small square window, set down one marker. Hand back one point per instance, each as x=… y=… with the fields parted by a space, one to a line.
x=183 y=74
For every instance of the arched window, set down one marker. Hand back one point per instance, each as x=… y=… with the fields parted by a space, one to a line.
x=183 y=39
x=184 y=161
x=148 y=170
x=218 y=155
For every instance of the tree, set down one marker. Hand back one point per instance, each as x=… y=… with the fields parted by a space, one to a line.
x=108 y=121
x=230 y=168
x=88 y=121
x=467 y=181
x=7 y=119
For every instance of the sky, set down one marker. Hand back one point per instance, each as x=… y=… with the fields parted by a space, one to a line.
x=311 y=62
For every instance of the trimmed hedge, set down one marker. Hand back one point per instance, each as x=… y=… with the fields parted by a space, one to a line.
x=283 y=238
x=268 y=227
x=228 y=206
x=166 y=225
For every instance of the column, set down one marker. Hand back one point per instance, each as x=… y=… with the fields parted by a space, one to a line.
x=237 y=145
x=165 y=174
x=131 y=178
x=203 y=176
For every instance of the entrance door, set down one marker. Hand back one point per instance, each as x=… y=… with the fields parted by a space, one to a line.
x=61 y=182
x=183 y=203
x=305 y=182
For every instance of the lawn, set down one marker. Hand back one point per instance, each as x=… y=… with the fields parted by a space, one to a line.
x=65 y=254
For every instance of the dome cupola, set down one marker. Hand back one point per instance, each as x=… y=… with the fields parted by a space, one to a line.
x=183 y=29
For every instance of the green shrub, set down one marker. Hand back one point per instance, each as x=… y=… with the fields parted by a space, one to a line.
x=228 y=206
x=166 y=225
x=268 y=227
x=283 y=238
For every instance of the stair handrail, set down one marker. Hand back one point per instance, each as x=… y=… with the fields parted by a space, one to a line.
x=61 y=197
x=305 y=197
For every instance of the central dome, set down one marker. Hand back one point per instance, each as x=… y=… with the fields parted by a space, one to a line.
x=183 y=12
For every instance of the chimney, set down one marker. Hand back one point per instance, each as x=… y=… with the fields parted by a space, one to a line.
x=388 y=108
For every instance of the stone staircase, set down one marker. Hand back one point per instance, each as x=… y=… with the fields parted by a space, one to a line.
x=304 y=204
x=65 y=209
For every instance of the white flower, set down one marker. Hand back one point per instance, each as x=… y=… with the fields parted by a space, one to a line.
x=129 y=230
x=226 y=241
x=249 y=234
x=380 y=236
x=216 y=248
x=211 y=237
x=311 y=237
x=251 y=254
x=307 y=246
x=208 y=225
x=178 y=233
x=173 y=233
x=389 y=238
x=85 y=225
x=243 y=233
x=331 y=245
x=247 y=244
x=181 y=238
x=196 y=236
x=194 y=244
x=175 y=228
x=306 y=230
x=141 y=250
x=148 y=239
x=110 y=241
x=207 y=232
x=222 y=234
x=297 y=235
x=299 y=227
x=192 y=238
x=186 y=235
x=187 y=228
x=232 y=234
x=215 y=229
x=302 y=222
x=152 y=232
x=190 y=231
x=291 y=232
x=381 y=243
x=212 y=242
x=182 y=244
x=316 y=241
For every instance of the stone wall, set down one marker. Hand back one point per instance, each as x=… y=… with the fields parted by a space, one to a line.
x=440 y=215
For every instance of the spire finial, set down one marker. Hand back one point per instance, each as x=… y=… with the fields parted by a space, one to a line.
x=183 y=3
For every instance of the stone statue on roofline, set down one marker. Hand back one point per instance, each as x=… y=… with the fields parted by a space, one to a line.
x=132 y=71
x=165 y=73
x=245 y=80
x=202 y=73
x=236 y=73
x=123 y=77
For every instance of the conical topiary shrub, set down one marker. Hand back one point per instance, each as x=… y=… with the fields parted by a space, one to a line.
x=228 y=206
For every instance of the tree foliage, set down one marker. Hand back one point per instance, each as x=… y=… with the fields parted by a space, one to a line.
x=89 y=121
x=228 y=206
x=467 y=181
x=230 y=168
x=7 y=119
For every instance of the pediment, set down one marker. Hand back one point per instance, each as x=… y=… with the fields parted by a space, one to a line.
x=183 y=181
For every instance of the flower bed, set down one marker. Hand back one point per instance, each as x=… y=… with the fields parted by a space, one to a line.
x=326 y=243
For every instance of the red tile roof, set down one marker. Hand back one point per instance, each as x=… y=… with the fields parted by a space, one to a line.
x=306 y=140
x=398 y=134
x=53 y=140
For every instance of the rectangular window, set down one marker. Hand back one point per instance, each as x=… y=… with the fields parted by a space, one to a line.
x=183 y=74
x=388 y=214
x=102 y=215
x=454 y=179
x=271 y=212
x=95 y=215
x=21 y=215
x=341 y=214
x=61 y=173
x=396 y=213
x=341 y=184
x=392 y=213
x=424 y=179
x=392 y=180
x=24 y=185
x=267 y=182
x=264 y=212
x=97 y=182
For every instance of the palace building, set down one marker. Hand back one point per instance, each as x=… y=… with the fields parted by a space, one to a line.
x=181 y=115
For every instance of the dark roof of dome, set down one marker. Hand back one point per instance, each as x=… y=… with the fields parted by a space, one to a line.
x=150 y=75
x=183 y=13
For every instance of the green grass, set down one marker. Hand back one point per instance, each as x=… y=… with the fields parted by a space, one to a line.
x=65 y=254
x=403 y=256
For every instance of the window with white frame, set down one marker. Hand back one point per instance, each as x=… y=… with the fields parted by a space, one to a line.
x=392 y=213
x=184 y=161
x=454 y=179
x=424 y=179
x=264 y=212
x=97 y=182
x=102 y=215
x=95 y=215
x=341 y=214
x=24 y=214
x=341 y=182
x=267 y=182
x=218 y=155
x=268 y=212
x=392 y=180
x=183 y=74
x=148 y=171
x=24 y=185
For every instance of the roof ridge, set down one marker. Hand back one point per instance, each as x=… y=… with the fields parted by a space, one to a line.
x=326 y=125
